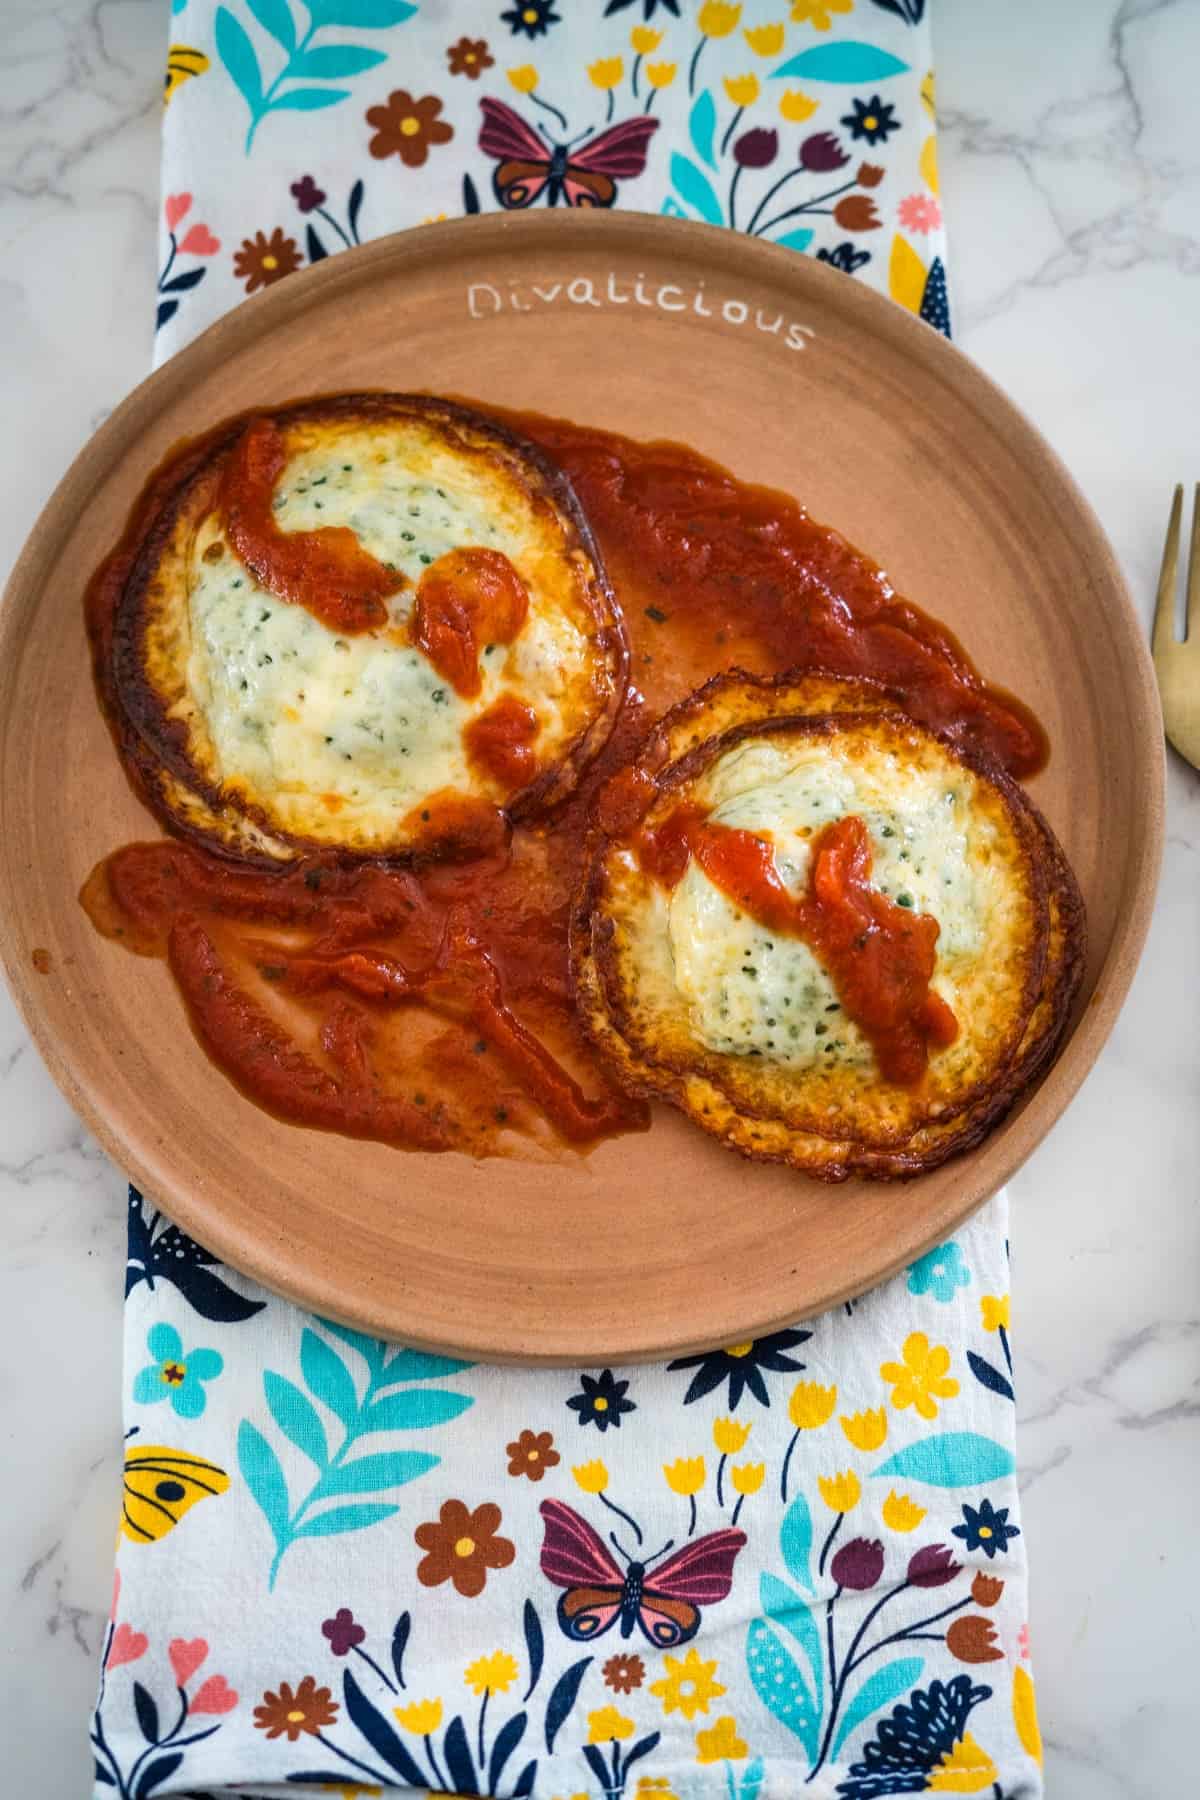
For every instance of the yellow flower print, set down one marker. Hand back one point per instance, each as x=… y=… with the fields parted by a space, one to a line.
x=688 y=1684
x=685 y=1475
x=994 y=1311
x=420 y=1716
x=743 y=90
x=606 y=73
x=865 y=1430
x=717 y=20
x=524 y=79
x=591 y=1477
x=183 y=62
x=929 y=94
x=921 y=1379
x=721 y=1742
x=492 y=1674
x=796 y=106
x=965 y=1769
x=747 y=1478
x=840 y=1493
x=900 y=1513
x=1025 y=1714
x=816 y=12
x=765 y=40
x=643 y=40
x=661 y=75
x=729 y=1436
x=606 y=1724
x=654 y=1787
x=811 y=1405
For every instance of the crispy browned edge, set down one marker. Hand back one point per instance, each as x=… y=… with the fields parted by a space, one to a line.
x=1045 y=1016
x=151 y=742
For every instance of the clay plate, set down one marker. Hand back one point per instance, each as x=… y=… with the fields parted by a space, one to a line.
x=655 y=1244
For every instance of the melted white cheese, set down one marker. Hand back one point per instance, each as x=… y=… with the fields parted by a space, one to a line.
x=754 y=992
x=295 y=712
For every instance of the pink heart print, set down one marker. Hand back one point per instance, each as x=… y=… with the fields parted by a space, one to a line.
x=216 y=1696
x=186 y=1656
x=174 y=207
x=200 y=242
x=127 y=1645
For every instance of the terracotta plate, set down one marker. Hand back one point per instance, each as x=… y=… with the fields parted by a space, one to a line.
x=659 y=1243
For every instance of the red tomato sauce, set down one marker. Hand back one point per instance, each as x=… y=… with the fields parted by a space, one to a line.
x=326 y=571
x=879 y=956
x=432 y=1009
x=467 y=600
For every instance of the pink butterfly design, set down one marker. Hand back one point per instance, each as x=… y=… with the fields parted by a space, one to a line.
x=663 y=1601
x=582 y=174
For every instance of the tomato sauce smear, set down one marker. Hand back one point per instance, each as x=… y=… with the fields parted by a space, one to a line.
x=432 y=1008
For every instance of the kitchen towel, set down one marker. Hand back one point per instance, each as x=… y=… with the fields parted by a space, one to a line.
x=341 y=1561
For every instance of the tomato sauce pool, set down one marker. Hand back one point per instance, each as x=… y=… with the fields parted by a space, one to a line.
x=432 y=1009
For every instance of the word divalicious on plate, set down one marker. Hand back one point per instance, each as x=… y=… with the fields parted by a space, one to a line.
x=484 y=300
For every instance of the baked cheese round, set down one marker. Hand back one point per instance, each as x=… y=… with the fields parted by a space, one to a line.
x=368 y=625
x=826 y=935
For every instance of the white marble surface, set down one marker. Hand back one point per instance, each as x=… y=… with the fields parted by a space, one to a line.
x=1071 y=164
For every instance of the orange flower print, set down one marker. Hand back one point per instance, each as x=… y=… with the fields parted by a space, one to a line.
x=294 y=1714
x=262 y=260
x=624 y=1673
x=461 y=1546
x=532 y=1454
x=469 y=57
x=857 y=213
x=407 y=128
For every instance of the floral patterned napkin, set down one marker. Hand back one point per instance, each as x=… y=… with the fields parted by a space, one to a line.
x=348 y=1566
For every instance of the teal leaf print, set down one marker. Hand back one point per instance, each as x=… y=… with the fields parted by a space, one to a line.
x=368 y=1474
x=328 y=1376
x=379 y=1734
x=415 y=1409
x=562 y=1698
x=345 y=1518
x=296 y=1417
x=264 y=1477
x=535 y=1645
x=331 y=1382
x=335 y=62
x=794 y=240
x=702 y=126
x=417 y=1365
x=844 y=62
x=879 y=1690
x=950 y=1459
x=275 y=16
x=780 y=1685
x=360 y=15
x=795 y=1540
x=752 y=1780
x=306 y=62
x=237 y=53
x=309 y=99
x=782 y=1604
x=671 y=209
x=693 y=186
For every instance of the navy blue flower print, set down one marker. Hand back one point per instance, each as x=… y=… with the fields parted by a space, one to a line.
x=531 y=18
x=602 y=1401
x=987 y=1530
x=909 y=1745
x=741 y=1365
x=871 y=120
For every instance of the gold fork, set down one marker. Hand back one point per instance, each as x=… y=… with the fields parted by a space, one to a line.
x=1177 y=661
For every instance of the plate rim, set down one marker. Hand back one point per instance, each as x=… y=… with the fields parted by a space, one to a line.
x=116 y=440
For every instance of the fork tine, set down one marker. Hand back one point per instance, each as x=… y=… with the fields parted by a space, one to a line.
x=1164 y=611
x=1193 y=574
